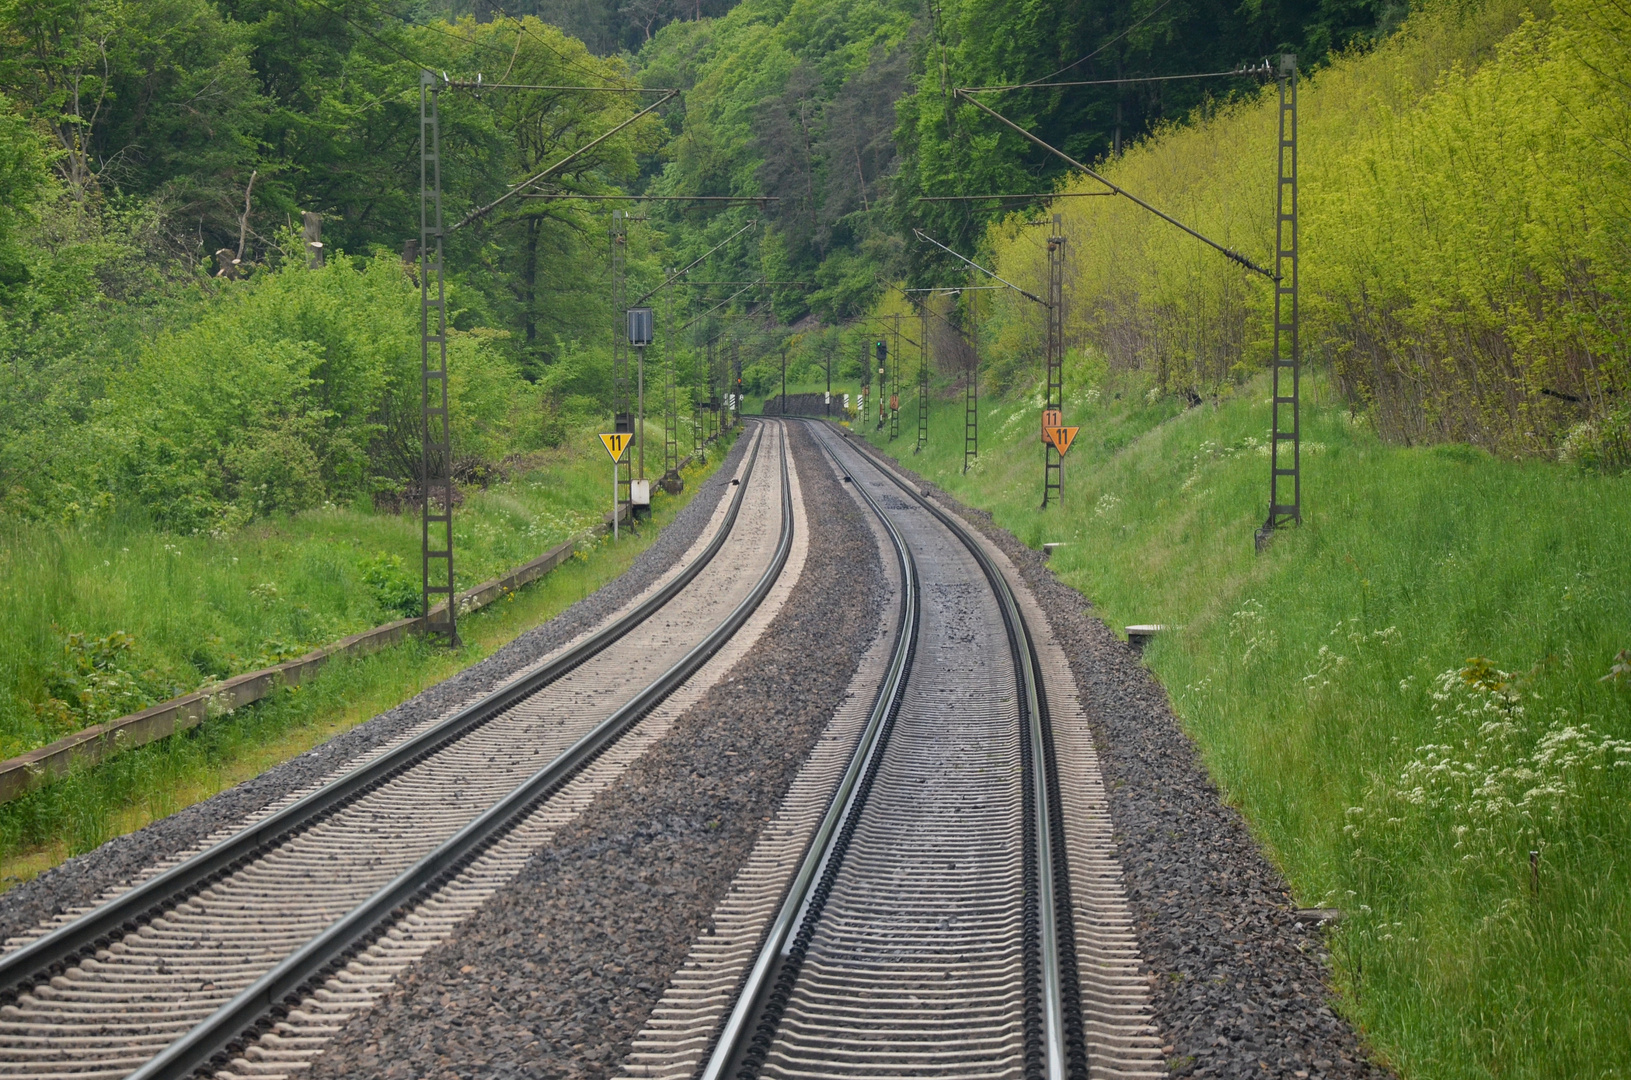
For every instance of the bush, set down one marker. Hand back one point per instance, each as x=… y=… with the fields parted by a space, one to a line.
x=295 y=387
x=90 y=683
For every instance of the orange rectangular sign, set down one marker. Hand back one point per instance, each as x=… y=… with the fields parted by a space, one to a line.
x=1051 y=418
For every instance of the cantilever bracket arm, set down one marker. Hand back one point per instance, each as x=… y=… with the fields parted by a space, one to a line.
x=921 y=235
x=1228 y=253
x=483 y=211
x=676 y=275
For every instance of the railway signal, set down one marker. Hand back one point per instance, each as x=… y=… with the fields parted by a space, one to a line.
x=617 y=444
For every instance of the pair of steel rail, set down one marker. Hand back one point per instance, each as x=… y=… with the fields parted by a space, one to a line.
x=1054 y=1039
x=272 y=995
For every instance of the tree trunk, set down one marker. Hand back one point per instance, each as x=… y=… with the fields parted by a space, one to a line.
x=530 y=282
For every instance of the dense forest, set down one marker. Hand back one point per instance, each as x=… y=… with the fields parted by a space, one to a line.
x=170 y=353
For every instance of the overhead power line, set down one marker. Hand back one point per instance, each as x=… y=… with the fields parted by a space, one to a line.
x=722 y=303
x=676 y=275
x=1117 y=189
x=1153 y=12
x=483 y=211
x=567 y=195
x=953 y=290
x=478 y=84
x=1034 y=195
x=519 y=21
x=354 y=24
x=921 y=235
x=1263 y=70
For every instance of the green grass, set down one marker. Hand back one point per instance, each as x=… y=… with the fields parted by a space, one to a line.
x=1349 y=691
x=313 y=561
x=111 y=616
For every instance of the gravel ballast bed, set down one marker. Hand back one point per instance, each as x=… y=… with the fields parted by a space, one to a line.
x=80 y=880
x=559 y=971
x=1238 y=982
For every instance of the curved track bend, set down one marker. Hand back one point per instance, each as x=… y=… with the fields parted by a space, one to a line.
x=928 y=931
x=185 y=970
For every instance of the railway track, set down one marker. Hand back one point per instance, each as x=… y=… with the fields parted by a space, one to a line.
x=247 y=956
x=929 y=927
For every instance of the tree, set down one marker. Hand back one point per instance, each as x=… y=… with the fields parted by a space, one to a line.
x=155 y=98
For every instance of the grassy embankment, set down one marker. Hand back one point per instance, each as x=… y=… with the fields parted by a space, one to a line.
x=161 y=614
x=1330 y=688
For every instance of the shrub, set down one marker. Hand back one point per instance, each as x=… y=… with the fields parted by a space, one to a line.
x=1466 y=213
x=295 y=387
x=394 y=588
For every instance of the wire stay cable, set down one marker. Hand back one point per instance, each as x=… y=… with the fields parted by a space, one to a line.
x=483 y=211
x=921 y=235
x=1228 y=253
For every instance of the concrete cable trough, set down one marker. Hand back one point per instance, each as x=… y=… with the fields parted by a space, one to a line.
x=360 y=877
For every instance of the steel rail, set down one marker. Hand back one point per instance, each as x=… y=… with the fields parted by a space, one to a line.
x=274 y=989
x=753 y=1020
x=49 y=954
x=745 y=1039
x=1062 y=1031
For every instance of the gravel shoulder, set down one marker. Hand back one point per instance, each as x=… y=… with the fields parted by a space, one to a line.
x=560 y=970
x=1238 y=983
x=80 y=880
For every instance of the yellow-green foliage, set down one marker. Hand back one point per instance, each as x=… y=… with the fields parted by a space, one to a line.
x=1464 y=223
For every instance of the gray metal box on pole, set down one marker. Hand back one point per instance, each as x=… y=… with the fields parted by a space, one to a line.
x=641 y=326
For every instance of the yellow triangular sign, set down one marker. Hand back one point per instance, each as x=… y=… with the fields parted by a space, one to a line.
x=616 y=443
x=1062 y=437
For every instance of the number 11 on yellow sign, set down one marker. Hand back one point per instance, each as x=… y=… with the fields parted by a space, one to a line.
x=615 y=443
